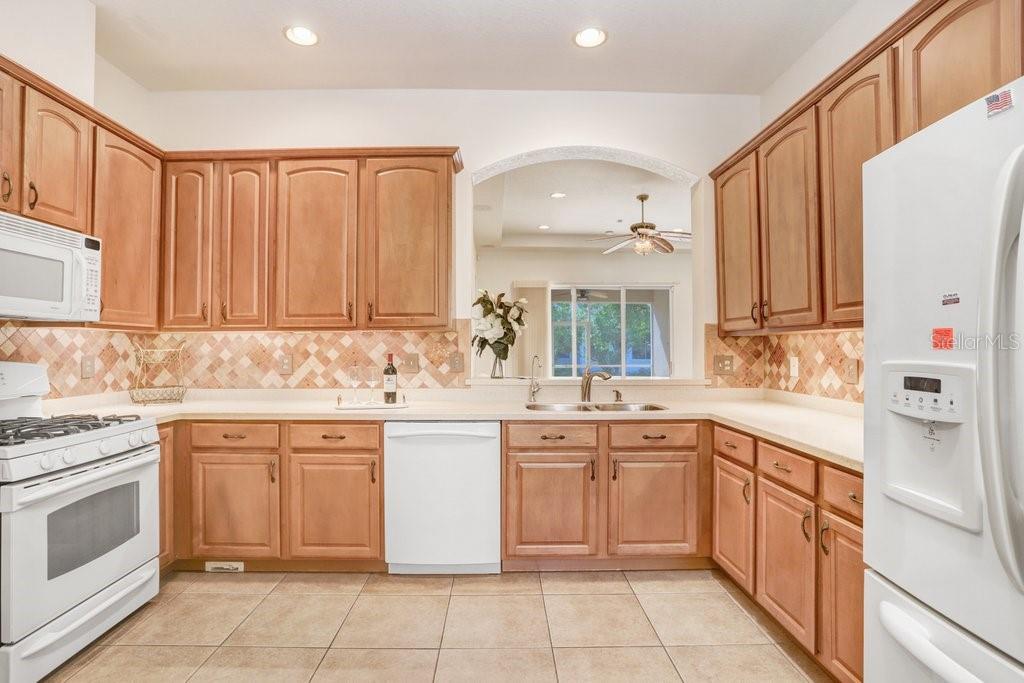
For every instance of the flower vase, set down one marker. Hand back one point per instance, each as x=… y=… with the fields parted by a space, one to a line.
x=498 y=369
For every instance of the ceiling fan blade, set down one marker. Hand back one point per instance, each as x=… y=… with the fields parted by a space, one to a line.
x=617 y=236
x=676 y=235
x=661 y=245
x=617 y=246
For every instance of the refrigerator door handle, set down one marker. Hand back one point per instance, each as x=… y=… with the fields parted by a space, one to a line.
x=913 y=637
x=1006 y=517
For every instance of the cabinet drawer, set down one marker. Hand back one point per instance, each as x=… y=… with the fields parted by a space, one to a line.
x=789 y=468
x=734 y=445
x=554 y=435
x=234 y=435
x=335 y=436
x=642 y=435
x=843 y=491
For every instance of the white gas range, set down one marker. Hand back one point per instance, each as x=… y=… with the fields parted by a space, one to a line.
x=79 y=524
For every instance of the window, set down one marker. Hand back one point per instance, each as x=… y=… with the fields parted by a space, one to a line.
x=624 y=331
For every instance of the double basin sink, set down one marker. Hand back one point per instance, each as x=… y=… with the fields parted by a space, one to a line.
x=593 y=407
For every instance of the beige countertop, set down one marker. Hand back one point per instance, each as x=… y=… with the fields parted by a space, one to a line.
x=833 y=437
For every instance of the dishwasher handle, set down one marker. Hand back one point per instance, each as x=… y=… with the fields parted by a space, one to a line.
x=442 y=432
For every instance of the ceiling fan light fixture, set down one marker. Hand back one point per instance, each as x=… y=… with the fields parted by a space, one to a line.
x=643 y=247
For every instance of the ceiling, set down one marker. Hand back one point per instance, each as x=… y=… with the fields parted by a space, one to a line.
x=600 y=196
x=681 y=46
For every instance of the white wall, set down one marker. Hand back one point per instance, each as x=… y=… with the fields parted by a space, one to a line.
x=692 y=131
x=54 y=38
x=497 y=269
x=855 y=29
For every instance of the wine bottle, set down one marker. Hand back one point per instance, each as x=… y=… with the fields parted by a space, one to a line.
x=390 y=380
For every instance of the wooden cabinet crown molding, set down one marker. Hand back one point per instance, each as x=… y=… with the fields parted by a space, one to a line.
x=280 y=154
x=879 y=44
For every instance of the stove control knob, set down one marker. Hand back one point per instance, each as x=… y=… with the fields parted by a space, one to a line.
x=104 y=447
x=134 y=439
x=68 y=457
x=46 y=461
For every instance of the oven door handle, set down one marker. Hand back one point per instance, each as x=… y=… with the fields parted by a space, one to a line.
x=59 y=487
x=57 y=636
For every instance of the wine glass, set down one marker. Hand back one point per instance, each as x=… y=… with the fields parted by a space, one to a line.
x=355 y=375
x=373 y=378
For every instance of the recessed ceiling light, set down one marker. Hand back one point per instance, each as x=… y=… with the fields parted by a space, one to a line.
x=543 y=227
x=300 y=35
x=590 y=37
x=558 y=195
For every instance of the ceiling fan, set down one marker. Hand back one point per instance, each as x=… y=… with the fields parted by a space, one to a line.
x=645 y=237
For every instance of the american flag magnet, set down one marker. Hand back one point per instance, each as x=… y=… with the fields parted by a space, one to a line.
x=997 y=103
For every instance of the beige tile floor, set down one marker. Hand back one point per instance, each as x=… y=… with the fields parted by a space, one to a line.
x=569 y=626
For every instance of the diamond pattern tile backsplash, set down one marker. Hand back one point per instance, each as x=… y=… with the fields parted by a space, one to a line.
x=764 y=361
x=237 y=360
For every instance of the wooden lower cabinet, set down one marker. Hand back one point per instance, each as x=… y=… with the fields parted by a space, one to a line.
x=236 y=505
x=166 y=495
x=732 y=533
x=334 y=505
x=841 y=597
x=551 y=504
x=786 y=559
x=652 y=503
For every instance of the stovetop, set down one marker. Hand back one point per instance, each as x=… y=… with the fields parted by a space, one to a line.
x=20 y=430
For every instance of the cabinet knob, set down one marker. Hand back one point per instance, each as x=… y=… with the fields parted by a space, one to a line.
x=6 y=186
x=33 y=197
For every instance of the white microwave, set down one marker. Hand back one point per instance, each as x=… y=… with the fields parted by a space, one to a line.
x=47 y=273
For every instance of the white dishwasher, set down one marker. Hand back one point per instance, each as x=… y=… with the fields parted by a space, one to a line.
x=442 y=497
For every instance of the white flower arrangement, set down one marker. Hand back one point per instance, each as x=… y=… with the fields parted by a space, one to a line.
x=496 y=323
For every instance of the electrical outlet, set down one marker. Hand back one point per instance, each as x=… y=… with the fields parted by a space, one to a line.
x=284 y=364
x=794 y=366
x=850 y=370
x=410 y=364
x=724 y=364
x=225 y=567
x=456 y=363
x=88 y=367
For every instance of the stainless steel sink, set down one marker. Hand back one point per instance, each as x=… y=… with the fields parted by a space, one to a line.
x=627 y=407
x=589 y=407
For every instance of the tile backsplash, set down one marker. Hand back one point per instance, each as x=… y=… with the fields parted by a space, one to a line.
x=765 y=362
x=240 y=360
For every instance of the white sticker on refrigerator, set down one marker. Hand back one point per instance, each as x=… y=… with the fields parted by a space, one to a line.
x=950 y=298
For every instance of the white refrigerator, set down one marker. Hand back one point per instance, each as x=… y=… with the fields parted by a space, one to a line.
x=944 y=424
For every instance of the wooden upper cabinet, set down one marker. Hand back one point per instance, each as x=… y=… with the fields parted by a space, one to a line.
x=739 y=267
x=788 y=184
x=652 y=504
x=334 y=506
x=407 y=240
x=958 y=53
x=316 y=243
x=236 y=505
x=841 y=591
x=732 y=535
x=551 y=504
x=10 y=143
x=242 y=246
x=166 y=495
x=188 y=244
x=57 y=163
x=856 y=122
x=786 y=554
x=126 y=216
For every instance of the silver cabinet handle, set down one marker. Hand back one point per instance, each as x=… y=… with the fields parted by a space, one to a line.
x=803 y=524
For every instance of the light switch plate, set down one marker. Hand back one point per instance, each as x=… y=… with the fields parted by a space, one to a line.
x=456 y=362
x=794 y=366
x=285 y=365
x=850 y=371
x=88 y=367
x=724 y=364
x=410 y=364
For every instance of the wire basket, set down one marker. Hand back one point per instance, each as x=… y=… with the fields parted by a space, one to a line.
x=159 y=375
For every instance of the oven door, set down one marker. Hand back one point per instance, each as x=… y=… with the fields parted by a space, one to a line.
x=65 y=537
x=39 y=280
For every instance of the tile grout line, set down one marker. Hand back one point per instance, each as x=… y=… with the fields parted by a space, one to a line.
x=327 y=650
x=651 y=623
x=547 y=623
x=444 y=623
